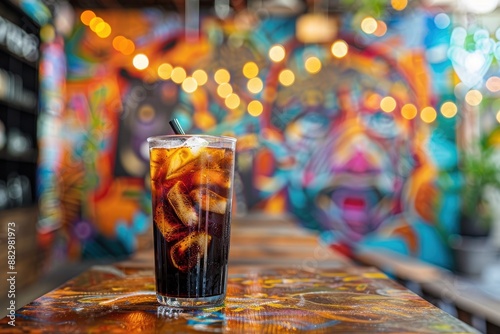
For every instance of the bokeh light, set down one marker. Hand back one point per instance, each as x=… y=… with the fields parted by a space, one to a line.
x=449 y=109
x=189 y=85
x=277 y=53
x=94 y=22
x=222 y=76
x=165 y=71
x=388 y=104
x=232 y=101
x=224 y=90
x=473 y=97
x=369 y=25
x=201 y=77
x=103 y=29
x=442 y=20
x=255 y=85
x=178 y=75
x=409 y=111
x=381 y=29
x=339 y=48
x=86 y=16
x=286 y=77
x=493 y=84
x=498 y=116
x=399 y=5
x=313 y=65
x=428 y=114
x=255 y=108
x=250 y=70
x=140 y=61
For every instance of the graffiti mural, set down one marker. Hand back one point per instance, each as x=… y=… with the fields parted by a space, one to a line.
x=339 y=141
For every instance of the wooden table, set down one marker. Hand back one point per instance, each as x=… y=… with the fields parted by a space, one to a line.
x=281 y=280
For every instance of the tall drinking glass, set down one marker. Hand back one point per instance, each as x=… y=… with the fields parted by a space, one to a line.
x=192 y=187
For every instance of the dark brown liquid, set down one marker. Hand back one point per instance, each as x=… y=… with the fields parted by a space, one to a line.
x=191 y=242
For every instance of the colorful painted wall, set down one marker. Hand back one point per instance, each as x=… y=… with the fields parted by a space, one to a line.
x=352 y=145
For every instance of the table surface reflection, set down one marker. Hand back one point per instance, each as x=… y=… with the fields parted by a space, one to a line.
x=118 y=299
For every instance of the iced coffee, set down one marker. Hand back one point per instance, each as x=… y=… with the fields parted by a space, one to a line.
x=191 y=184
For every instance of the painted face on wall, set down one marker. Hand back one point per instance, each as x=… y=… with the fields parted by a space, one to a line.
x=352 y=157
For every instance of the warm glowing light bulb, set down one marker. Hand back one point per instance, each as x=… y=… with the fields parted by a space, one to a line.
x=399 y=5
x=178 y=75
x=255 y=85
x=189 y=85
x=103 y=30
x=222 y=76
x=94 y=22
x=339 y=48
x=369 y=25
x=428 y=114
x=473 y=97
x=449 y=109
x=313 y=65
x=286 y=77
x=250 y=70
x=255 y=108
x=201 y=77
x=409 y=111
x=493 y=84
x=381 y=29
x=388 y=104
x=277 y=53
x=224 y=90
x=86 y=16
x=140 y=61
x=232 y=101
x=165 y=71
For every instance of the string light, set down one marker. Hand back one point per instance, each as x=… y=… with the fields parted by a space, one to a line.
x=388 y=104
x=409 y=111
x=277 y=53
x=286 y=77
x=448 y=109
x=369 y=25
x=250 y=70
x=339 y=49
x=165 y=71
x=428 y=114
x=493 y=84
x=86 y=16
x=222 y=76
x=189 y=85
x=178 y=75
x=473 y=97
x=399 y=5
x=313 y=65
x=232 y=101
x=201 y=77
x=255 y=108
x=140 y=61
x=224 y=90
x=255 y=85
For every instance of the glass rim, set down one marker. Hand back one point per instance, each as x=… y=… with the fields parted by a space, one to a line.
x=174 y=136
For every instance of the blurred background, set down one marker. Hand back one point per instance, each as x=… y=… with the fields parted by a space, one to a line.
x=373 y=123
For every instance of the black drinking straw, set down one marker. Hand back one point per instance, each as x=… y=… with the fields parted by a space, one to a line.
x=176 y=126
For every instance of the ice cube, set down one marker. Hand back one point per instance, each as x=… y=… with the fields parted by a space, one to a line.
x=220 y=178
x=186 y=252
x=170 y=227
x=209 y=200
x=179 y=158
x=195 y=144
x=182 y=204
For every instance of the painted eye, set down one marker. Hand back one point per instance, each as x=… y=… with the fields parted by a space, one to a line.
x=381 y=124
